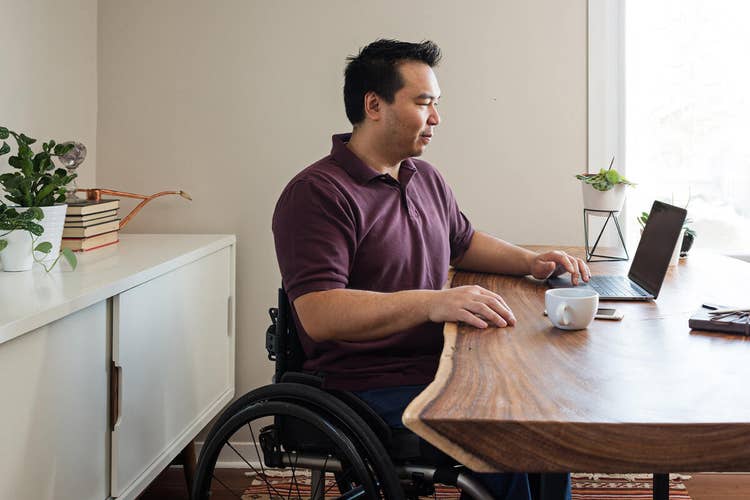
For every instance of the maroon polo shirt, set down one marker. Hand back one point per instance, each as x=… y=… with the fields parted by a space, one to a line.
x=341 y=224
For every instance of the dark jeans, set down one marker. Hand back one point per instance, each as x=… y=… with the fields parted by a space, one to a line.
x=390 y=404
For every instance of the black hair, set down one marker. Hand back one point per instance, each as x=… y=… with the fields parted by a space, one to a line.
x=375 y=69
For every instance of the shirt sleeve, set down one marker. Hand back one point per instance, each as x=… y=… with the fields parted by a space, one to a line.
x=315 y=236
x=461 y=230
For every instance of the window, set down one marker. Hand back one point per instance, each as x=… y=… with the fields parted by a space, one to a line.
x=684 y=101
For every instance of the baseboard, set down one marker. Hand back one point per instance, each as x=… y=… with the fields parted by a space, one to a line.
x=229 y=459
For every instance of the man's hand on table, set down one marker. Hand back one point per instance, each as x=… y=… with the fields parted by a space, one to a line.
x=557 y=262
x=471 y=304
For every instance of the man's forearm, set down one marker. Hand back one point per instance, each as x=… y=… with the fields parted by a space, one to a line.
x=493 y=255
x=356 y=315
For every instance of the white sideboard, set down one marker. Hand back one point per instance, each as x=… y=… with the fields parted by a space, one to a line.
x=108 y=371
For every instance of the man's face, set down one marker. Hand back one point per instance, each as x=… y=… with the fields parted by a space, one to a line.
x=410 y=120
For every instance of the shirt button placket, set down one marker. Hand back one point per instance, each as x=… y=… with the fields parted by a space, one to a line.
x=408 y=204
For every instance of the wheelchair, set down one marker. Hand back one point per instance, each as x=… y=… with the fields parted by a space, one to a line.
x=294 y=439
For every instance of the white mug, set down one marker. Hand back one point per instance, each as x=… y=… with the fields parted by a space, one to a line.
x=571 y=308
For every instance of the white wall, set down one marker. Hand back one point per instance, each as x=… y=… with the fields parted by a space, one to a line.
x=229 y=99
x=49 y=75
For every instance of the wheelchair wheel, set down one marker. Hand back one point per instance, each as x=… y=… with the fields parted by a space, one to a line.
x=275 y=469
x=332 y=410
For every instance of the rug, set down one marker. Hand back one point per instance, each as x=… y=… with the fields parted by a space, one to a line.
x=585 y=487
x=625 y=486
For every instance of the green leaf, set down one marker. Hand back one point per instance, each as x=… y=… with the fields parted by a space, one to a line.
x=44 y=247
x=24 y=151
x=26 y=166
x=4 y=133
x=46 y=191
x=42 y=162
x=34 y=228
x=613 y=177
x=70 y=257
x=3 y=244
x=61 y=149
x=27 y=140
x=15 y=162
x=5 y=148
x=35 y=213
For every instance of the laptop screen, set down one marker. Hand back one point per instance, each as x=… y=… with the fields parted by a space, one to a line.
x=657 y=243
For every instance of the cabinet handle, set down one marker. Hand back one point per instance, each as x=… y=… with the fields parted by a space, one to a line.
x=115 y=395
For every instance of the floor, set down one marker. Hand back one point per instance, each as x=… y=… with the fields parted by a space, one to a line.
x=170 y=485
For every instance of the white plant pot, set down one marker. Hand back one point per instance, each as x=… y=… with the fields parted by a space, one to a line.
x=675 y=259
x=610 y=200
x=53 y=222
x=17 y=255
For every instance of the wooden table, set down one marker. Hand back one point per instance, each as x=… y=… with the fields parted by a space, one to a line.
x=645 y=394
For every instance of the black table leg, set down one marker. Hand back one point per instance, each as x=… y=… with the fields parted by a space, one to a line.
x=661 y=486
x=549 y=486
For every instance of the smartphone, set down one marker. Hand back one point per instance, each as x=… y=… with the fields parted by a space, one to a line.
x=608 y=313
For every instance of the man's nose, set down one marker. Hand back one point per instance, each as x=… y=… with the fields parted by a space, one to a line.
x=434 y=118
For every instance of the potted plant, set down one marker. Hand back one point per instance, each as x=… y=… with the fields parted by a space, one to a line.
x=604 y=191
x=36 y=183
x=19 y=233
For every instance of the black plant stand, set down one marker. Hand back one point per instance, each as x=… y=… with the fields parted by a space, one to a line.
x=591 y=252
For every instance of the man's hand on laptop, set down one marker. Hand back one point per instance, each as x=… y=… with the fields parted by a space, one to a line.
x=557 y=262
x=471 y=304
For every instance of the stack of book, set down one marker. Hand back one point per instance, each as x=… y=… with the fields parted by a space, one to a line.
x=91 y=224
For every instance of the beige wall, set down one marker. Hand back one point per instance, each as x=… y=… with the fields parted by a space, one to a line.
x=49 y=83
x=229 y=99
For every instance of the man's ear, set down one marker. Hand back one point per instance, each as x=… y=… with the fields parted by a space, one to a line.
x=373 y=106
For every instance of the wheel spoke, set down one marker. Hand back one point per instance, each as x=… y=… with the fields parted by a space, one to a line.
x=226 y=486
x=338 y=482
x=262 y=476
x=257 y=452
x=294 y=476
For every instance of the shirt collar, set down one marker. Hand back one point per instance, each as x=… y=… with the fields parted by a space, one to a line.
x=354 y=166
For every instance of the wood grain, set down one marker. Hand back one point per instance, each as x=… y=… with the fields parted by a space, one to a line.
x=644 y=394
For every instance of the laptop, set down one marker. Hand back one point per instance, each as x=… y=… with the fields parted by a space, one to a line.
x=650 y=262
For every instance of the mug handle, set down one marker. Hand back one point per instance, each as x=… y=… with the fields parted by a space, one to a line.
x=562 y=313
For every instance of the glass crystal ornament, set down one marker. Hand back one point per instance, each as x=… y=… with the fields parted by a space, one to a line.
x=71 y=160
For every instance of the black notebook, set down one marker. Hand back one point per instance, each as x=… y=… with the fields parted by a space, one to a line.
x=736 y=323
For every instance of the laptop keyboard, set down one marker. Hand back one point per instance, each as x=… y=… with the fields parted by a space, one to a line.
x=615 y=286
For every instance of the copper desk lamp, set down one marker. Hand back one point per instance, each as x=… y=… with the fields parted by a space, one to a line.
x=95 y=194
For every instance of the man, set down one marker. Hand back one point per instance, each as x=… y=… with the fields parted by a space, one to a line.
x=365 y=237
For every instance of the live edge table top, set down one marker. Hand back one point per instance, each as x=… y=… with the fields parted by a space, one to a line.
x=645 y=394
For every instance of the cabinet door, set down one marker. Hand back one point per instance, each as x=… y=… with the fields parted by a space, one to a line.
x=173 y=351
x=53 y=415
